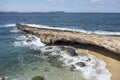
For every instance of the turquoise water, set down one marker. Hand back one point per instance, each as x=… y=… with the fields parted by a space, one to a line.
x=20 y=61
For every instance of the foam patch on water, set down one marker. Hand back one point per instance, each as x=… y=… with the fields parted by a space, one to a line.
x=106 y=32
x=12 y=78
x=28 y=40
x=14 y=30
x=77 y=30
x=8 y=25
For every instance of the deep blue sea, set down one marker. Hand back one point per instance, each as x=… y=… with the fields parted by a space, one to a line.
x=13 y=58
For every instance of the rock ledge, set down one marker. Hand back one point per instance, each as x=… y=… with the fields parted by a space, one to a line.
x=51 y=36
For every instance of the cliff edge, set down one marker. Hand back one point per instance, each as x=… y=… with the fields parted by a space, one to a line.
x=51 y=36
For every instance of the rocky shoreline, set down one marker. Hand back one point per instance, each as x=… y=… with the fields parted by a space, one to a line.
x=105 y=47
x=54 y=36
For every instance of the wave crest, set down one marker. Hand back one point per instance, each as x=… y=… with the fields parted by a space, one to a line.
x=101 y=32
x=28 y=40
x=77 y=30
x=8 y=25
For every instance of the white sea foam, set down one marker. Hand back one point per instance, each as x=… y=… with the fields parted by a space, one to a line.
x=10 y=25
x=95 y=69
x=15 y=30
x=76 y=30
x=106 y=32
x=7 y=25
x=28 y=40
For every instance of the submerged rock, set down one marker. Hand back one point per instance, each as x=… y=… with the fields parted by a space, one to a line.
x=37 y=78
x=36 y=52
x=69 y=50
x=72 y=68
x=48 y=48
x=54 y=60
x=30 y=39
x=82 y=64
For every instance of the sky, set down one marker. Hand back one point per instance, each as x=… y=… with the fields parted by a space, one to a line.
x=60 y=5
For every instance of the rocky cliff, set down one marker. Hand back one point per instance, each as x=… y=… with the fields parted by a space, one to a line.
x=52 y=36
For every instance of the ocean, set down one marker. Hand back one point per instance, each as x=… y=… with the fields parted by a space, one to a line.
x=21 y=60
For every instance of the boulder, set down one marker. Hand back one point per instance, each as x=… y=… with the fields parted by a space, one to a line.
x=37 y=78
x=72 y=68
x=69 y=50
x=81 y=64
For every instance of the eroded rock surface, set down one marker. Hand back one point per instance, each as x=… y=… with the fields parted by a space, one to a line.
x=50 y=36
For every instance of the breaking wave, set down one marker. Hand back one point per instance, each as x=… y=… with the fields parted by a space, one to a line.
x=28 y=40
x=77 y=30
x=7 y=25
x=14 y=30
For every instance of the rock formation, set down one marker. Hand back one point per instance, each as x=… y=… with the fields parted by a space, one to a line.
x=37 y=78
x=51 y=36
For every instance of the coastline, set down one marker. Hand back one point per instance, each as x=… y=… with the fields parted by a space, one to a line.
x=103 y=47
x=54 y=36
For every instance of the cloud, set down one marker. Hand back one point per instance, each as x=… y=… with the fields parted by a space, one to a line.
x=51 y=0
x=0 y=2
x=55 y=0
x=104 y=1
x=94 y=0
x=113 y=1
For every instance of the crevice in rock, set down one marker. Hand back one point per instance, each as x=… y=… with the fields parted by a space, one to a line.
x=91 y=47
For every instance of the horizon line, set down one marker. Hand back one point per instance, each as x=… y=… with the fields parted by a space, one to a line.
x=51 y=12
